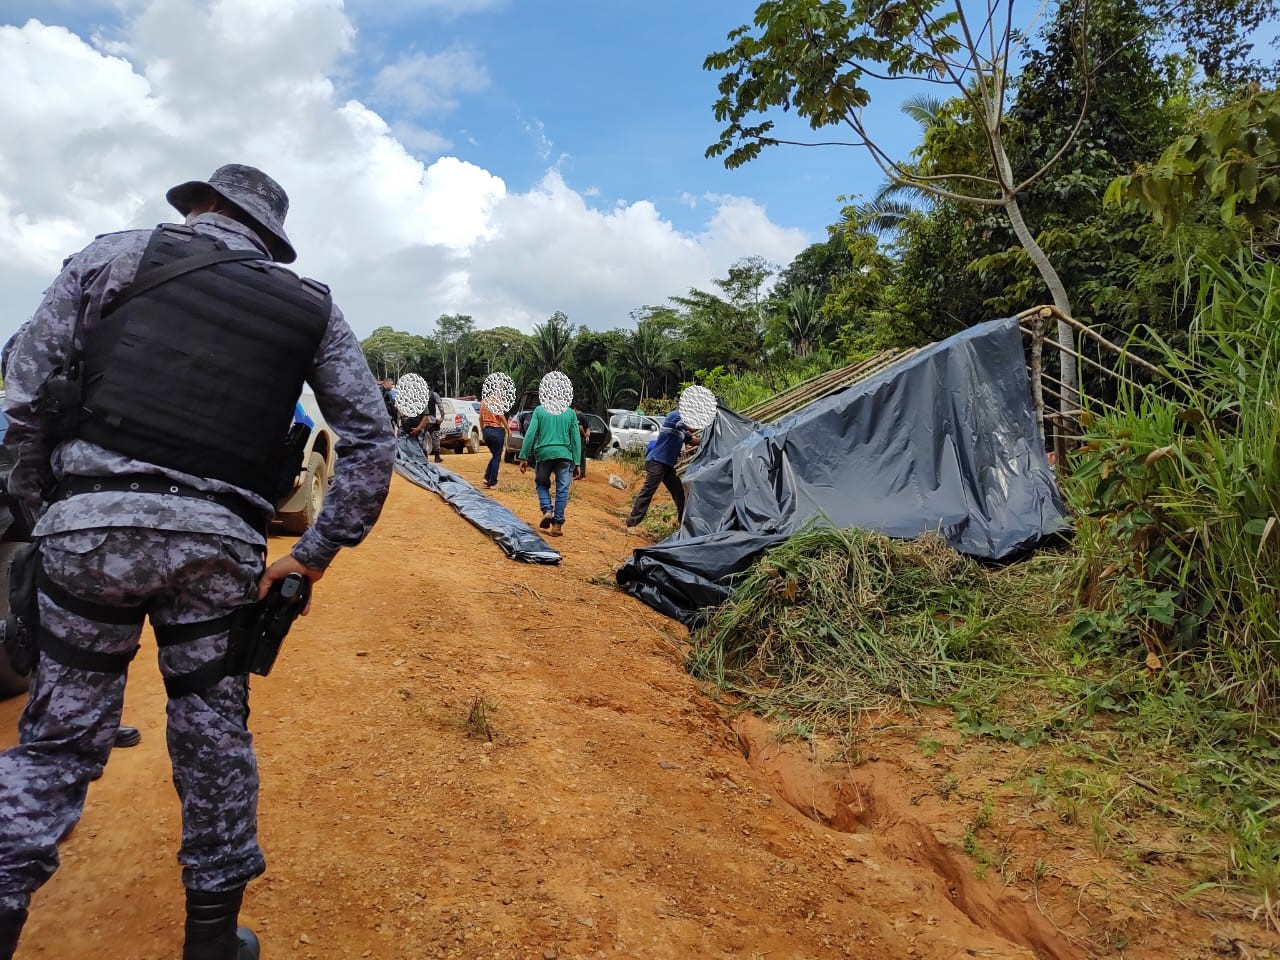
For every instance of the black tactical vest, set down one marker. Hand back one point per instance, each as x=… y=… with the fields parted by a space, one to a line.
x=200 y=373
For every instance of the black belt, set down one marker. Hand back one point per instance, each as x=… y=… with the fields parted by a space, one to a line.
x=72 y=486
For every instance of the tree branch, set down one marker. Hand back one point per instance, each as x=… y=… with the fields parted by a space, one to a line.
x=1084 y=106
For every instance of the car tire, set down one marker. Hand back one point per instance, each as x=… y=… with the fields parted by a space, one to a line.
x=10 y=683
x=315 y=485
x=473 y=442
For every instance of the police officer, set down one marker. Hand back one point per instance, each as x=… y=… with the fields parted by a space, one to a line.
x=190 y=348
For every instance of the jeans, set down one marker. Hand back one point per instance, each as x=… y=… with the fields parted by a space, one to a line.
x=495 y=438
x=654 y=474
x=562 y=470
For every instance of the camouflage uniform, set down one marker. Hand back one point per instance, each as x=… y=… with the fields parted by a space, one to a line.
x=187 y=560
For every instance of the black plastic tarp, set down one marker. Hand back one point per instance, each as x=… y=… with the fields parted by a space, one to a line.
x=513 y=535
x=945 y=440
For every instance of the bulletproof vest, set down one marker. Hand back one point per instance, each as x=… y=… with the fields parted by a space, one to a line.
x=200 y=373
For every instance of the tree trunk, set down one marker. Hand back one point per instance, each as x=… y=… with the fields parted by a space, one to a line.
x=1066 y=336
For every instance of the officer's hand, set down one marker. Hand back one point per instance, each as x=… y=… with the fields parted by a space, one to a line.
x=524 y=465
x=577 y=472
x=282 y=568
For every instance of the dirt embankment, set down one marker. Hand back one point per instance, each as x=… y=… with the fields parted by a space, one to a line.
x=615 y=811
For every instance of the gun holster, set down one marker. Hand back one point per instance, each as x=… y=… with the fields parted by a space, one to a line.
x=22 y=623
x=58 y=403
x=261 y=627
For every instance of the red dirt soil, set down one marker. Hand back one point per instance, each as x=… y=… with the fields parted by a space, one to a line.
x=616 y=811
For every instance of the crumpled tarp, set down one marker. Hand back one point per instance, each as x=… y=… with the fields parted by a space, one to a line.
x=516 y=538
x=945 y=440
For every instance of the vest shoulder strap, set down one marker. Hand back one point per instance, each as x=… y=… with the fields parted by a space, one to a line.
x=176 y=269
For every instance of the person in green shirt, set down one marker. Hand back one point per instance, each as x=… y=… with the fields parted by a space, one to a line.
x=554 y=444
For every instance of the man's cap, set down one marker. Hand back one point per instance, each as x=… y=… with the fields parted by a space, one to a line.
x=252 y=191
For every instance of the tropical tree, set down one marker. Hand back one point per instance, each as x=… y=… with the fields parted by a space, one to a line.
x=803 y=319
x=499 y=347
x=606 y=381
x=391 y=353
x=1230 y=157
x=453 y=334
x=727 y=330
x=552 y=343
x=649 y=352
x=815 y=56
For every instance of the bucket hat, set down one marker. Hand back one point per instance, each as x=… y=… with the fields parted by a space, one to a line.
x=252 y=191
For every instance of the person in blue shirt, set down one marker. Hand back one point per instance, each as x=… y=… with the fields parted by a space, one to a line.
x=660 y=467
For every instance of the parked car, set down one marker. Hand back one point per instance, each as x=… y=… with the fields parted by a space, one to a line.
x=596 y=443
x=632 y=432
x=299 y=510
x=459 y=425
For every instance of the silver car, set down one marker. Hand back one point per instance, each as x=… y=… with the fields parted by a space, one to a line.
x=632 y=432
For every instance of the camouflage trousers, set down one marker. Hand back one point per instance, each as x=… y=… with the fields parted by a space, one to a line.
x=69 y=724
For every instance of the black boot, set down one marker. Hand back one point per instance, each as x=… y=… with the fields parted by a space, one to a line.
x=11 y=922
x=128 y=737
x=211 y=928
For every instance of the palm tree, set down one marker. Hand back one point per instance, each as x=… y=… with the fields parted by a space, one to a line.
x=804 y=319
x=649 y=352
x=552 y=342
x=894 y=202
x=606 y=381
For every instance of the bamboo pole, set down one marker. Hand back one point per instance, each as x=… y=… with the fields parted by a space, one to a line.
x=1097 y=366
x=1049 y=311
x=825 y=384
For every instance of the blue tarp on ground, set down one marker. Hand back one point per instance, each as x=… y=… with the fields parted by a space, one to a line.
x=945 y=440
x=516 y=538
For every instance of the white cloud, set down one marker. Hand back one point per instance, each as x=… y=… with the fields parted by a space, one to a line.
x=95 y=134
x=427 y=83
x=537 y=132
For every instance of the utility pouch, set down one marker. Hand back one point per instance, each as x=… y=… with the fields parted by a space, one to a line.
x=58 y=402
x=290 y=463
x=262 y=626
x=23 y=620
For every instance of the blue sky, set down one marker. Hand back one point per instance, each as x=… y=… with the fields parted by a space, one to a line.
x=620 y=92
x=500 y=158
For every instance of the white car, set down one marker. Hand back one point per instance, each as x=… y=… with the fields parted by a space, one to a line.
x=632 y=432
x=459 y=425
x=299 y=510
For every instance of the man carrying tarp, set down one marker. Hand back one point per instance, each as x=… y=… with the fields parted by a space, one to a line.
x=660 y=467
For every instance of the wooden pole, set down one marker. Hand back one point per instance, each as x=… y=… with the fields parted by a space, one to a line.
x=1037 y=372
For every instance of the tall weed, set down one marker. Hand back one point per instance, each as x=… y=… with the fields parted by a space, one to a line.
x=1178 y=493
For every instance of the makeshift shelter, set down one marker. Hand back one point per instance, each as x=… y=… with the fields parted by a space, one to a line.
x=943 y=440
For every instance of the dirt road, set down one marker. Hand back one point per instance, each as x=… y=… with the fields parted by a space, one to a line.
x=614 y=813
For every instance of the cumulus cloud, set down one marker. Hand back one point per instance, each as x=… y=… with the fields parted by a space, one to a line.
x=429 y=83
x=95 y=132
